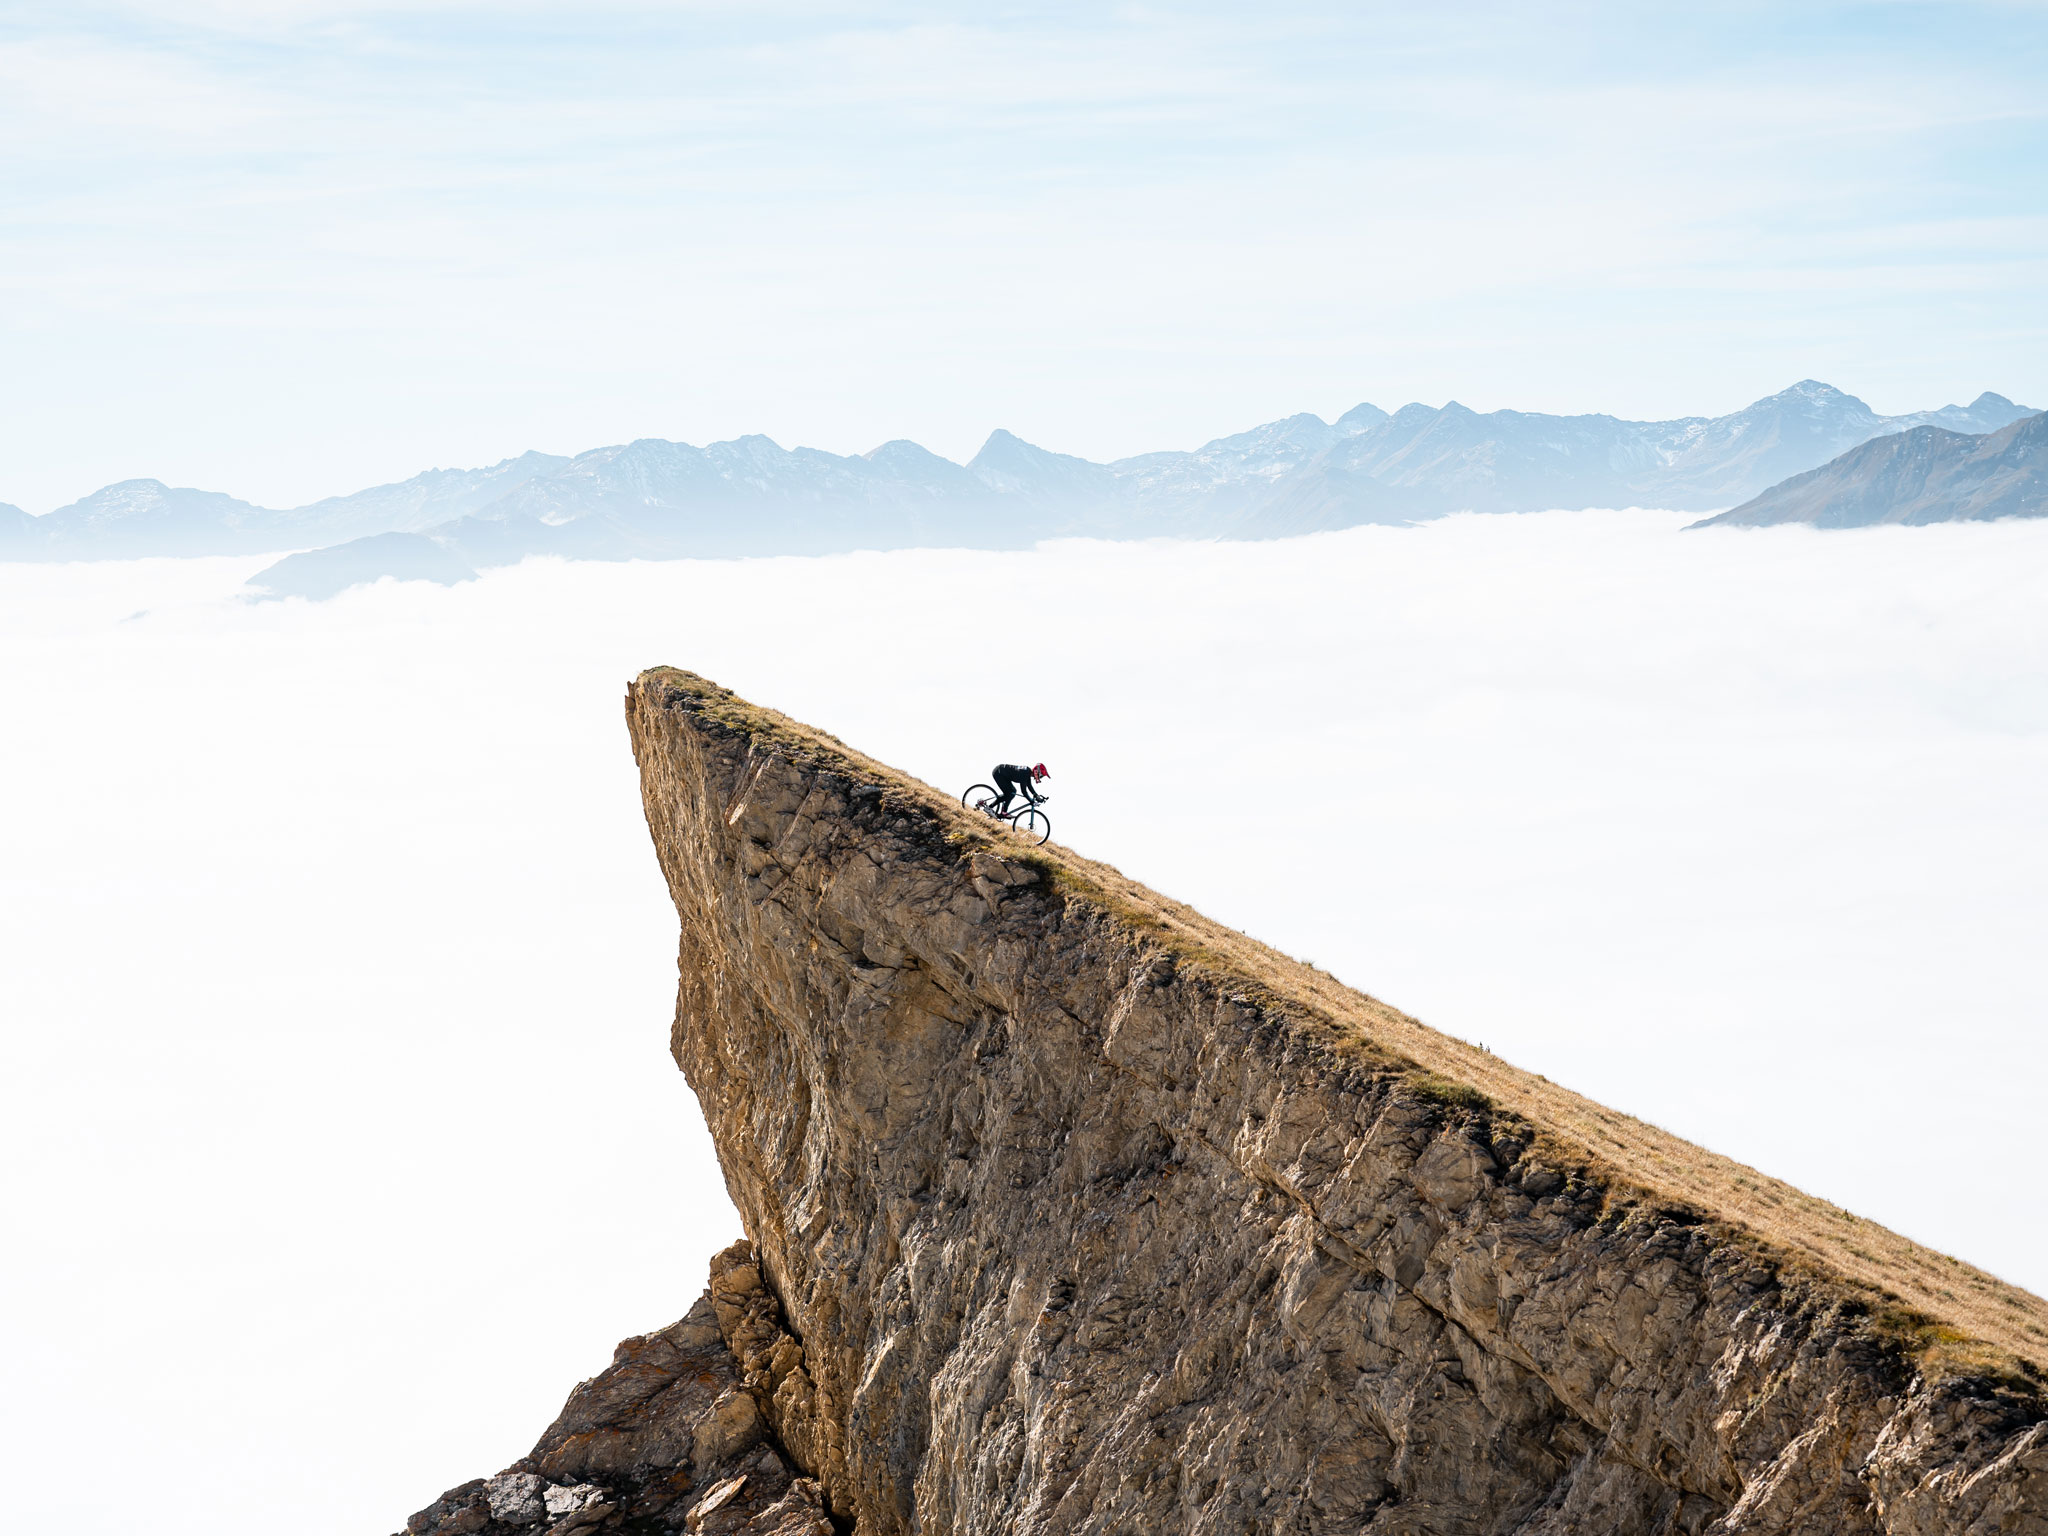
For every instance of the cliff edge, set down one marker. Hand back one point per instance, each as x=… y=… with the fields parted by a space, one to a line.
x=1072 y=1211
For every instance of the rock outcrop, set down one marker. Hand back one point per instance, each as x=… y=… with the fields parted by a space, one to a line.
x=673 y=1437
x=1074 y=1212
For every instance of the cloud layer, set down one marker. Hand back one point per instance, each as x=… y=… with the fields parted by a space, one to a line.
x=341 y=1126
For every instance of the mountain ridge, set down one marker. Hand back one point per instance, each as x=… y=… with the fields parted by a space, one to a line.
x=654 y=498
x=1928 y=474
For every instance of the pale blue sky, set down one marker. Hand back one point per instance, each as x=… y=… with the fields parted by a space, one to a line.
x=290 y=249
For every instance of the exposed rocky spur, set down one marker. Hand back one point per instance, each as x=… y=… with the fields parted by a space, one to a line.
x=1075 y=1212
x=672 y=1437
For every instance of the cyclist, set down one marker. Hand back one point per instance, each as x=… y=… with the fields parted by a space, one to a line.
x=1014 y=781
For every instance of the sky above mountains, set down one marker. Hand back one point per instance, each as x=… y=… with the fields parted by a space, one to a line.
x=303 y=247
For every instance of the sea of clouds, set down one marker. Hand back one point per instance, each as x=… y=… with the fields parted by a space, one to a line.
x=340 y=1135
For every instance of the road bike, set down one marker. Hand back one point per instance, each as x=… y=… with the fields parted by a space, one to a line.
x=1026 y=818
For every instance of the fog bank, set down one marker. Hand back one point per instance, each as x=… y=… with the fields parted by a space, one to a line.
x=342 y=1135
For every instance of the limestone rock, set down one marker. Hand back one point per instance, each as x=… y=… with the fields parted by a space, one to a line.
x=1068 y=1215
x=515 y=1497
x=639 y=1444
x=1074 y=1214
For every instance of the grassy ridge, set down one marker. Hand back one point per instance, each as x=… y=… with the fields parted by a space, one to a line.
x=1944 y=1315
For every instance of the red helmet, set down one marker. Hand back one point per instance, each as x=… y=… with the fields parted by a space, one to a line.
x=1039 y=771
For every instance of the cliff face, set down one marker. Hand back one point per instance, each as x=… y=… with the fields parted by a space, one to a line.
x=1076 y=1213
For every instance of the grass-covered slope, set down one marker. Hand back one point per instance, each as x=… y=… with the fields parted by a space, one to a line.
x=1955 y=1318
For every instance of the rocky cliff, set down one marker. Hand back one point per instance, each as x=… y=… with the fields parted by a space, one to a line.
x=1071 y=1211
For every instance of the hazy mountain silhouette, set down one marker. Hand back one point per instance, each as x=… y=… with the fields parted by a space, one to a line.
x=322 y=573
x=1926 y=475
x=424 y=501
x=1299 y=475
x=135 y=518
x=652 y=498
x=146 y=517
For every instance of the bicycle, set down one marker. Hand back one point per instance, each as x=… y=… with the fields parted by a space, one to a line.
x=1027 y=819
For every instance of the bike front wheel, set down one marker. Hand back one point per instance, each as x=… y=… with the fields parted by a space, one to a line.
x=979 y=797
x=1034 y=824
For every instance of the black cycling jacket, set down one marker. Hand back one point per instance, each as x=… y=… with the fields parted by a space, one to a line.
x=1010 y=776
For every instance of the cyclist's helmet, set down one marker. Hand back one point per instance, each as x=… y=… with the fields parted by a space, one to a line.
x=1039 y=771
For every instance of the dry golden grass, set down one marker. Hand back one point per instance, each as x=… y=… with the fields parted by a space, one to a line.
x=1953 y=1316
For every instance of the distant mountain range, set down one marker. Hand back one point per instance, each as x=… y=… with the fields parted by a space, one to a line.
x=1926 y=475
x=138 y=518
x=655 y=499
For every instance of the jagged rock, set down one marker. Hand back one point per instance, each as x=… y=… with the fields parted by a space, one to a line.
x=639 y=1444
x=457 y=1512
x=575 y=1507
x=707 y=1509
x=515 y=1497
x=1073 y=1212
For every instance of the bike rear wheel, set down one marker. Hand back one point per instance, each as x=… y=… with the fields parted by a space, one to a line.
x=980 y=797
x=1033 y=823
